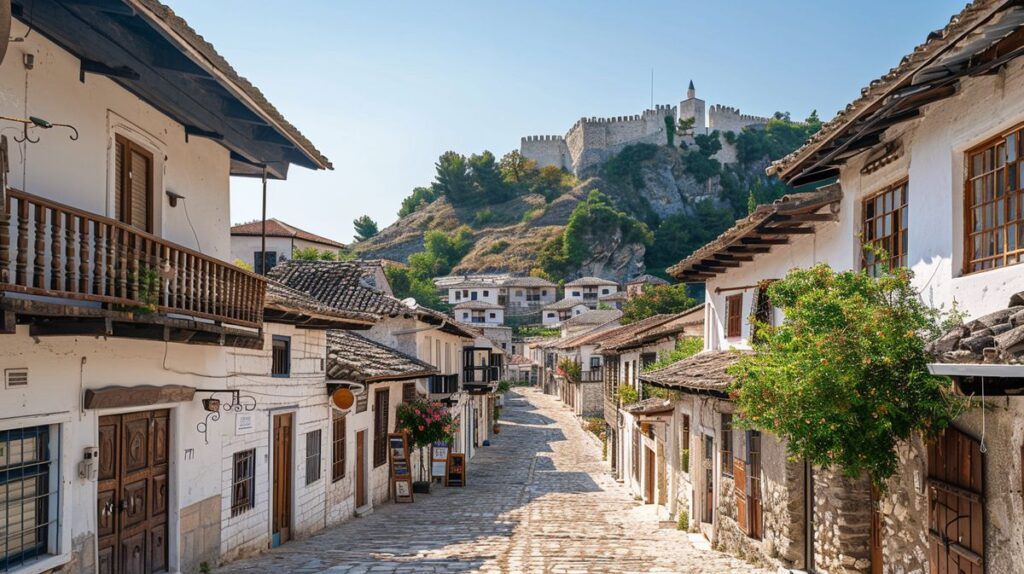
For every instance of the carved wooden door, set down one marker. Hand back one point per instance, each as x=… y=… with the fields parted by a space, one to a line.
x=360 y=469
x=132 y=493
x=282 y=487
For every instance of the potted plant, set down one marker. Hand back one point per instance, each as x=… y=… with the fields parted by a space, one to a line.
x=425 y=423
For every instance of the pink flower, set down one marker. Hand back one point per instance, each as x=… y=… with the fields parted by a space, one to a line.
x=421 y=428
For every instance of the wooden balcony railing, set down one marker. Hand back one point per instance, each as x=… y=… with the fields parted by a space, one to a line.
x=55 y=250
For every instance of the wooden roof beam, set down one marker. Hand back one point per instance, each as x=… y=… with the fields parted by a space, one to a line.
x=732 y=257
x=747 y=249
x=804 y=217
x=764 y=240
x=719 y=263
x=786 y=230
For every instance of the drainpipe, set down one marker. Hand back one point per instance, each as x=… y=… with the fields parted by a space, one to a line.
x=263 y=227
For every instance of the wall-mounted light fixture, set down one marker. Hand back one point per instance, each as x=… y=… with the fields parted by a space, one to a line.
x=172 y=198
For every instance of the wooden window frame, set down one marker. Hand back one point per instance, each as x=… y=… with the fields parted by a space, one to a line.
x=726 y=444
x=243 y=484
x=734 y=316
x=279 y=370
x=684 y=450
x=314 y=456
x=870 y=217
x=1009 y=173
x=381 y=405
x=124 y=200
x=338 y=430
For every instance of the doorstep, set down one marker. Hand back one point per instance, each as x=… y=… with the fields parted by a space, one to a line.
x=364 y=510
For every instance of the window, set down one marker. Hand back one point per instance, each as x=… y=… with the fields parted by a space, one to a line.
x=27 y=505
x=734 y=316
x=494 y=315
x=648 y=359
x=726 y=444
x=257 y=261
x=458 y=295
x=281 y=356
x=604 y=291
x=465 y=315
x=519 y=292
x=312 y=457
x=473 y=296
x=763 y=310
x=544 y=292
x=409 y=392
x=487 y=293
x=884 y=228
x=575 y=293
x=595 y=363
x=338 y=447
x=133 y=184
x=994 y=203
x=380 y=427
x=243 y=479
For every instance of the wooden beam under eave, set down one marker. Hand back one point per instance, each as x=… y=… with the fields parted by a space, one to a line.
x=747 y=249
x=786 y=230
x=804 y=217
x=764 y=240
x=709 y=268
x=719 y=263
x=733 y=257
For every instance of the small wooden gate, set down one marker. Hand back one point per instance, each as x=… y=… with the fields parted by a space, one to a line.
x=956 y=528
x=739 y=476
x=282 y=487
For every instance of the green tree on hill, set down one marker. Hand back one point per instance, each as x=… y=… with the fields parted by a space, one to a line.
x=515 y=168
x=656 y=300
x=365 y=227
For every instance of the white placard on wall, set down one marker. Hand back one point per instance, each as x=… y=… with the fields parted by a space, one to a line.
x=244 y=423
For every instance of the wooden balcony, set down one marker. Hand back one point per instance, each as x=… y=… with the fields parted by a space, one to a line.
x=54 y=250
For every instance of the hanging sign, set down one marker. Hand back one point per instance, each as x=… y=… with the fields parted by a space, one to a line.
x=456 y=475
x=342 y=398
x=439 y=459
x=401 y=473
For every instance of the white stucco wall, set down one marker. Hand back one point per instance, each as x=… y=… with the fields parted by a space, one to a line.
x=81 y=173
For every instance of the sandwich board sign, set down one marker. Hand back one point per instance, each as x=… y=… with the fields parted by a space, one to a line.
x=401 y=473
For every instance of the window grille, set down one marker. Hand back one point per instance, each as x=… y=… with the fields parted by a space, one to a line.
x=243 y=480
x=28 y=496
x=313 y=456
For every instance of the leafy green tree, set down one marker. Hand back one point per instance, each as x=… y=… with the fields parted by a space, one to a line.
x=365 y=227
x=515 y=168
x=488 y=182
x=596 y=218
x=656 y=300
x=420 y=197
x=670 y=131
x=314 y=254
x=404 y=285
x=685 y=126
x=681 y=234
x=441 y=252
x=776 y=139
x=549 y=181
x=845 y=378
x=452 y=178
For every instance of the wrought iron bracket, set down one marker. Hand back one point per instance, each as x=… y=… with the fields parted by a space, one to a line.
x=239 y=403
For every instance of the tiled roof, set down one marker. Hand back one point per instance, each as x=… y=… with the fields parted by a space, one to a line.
x=768 y=225
x=675 y=325
x=589 y=337
x=287 y=305
x=351 y=357
x=705 y=371
x=339 y=285
x=629 y=332
x=616 y=296
x=996 y=338
x=649 y=406
x=518 y=360
x=648 y=279
x=209 y=53
x=477 y=305
x=586 y=281
x=596 y=317
x=278 y=228
x=929 y=62
x=451 y=326
x=564 y=304
x=527 y=282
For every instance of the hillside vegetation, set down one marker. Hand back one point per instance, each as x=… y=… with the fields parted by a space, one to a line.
x=645 y=208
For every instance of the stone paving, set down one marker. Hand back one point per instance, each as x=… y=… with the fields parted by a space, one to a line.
x=538 y=500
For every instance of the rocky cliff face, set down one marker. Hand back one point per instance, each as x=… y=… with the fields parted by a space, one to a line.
x=518 y=229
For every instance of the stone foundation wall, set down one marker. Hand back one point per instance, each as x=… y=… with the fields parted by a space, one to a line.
x=83 y=556
x=200 y=534
x=904 y=509
x=592 y=399
x=842 y=523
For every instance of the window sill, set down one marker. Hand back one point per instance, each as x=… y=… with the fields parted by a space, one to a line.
x=43 y=564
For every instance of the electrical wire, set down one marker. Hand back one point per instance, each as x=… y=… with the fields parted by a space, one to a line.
x=184 y=204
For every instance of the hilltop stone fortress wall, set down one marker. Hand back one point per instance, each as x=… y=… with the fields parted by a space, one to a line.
x=591 y=141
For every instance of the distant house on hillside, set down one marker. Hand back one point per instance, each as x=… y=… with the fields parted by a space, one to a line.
x=282 y=241
x=590 y=290
x=555 y=313
x=638 y=284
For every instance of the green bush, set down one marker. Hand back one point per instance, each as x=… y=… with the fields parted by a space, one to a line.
x=628 y=395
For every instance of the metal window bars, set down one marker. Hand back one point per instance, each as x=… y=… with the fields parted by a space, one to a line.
x=243 y=482
x=28 y=503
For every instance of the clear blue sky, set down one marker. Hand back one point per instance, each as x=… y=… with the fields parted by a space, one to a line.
x=383 y=88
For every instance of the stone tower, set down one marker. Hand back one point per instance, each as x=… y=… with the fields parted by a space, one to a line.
x=693 y=107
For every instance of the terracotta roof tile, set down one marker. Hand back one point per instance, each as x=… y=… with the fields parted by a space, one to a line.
x=705 y=371
x=278 y=228
x=996 y=338
x=339 y=285
x=584 y=281
x=596 y=317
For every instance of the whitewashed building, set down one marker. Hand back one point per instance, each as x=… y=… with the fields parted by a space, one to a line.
x=117 y=304
x=928 y=165
x=282 y=240
x=590 y=290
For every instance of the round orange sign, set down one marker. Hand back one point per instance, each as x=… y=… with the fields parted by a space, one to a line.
x=342 y=398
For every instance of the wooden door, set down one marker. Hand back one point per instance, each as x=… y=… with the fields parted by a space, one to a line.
x=755 y=519
x=360 y=469
x=649 y=473
x=956 y=529
x=709 y=480
x=132 y=493
x=282 y=486
x=739 y=476
x=876 y=533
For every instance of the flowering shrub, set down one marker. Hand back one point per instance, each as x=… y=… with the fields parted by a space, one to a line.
x=425 y=422
x=569 y=369
x=845 y=377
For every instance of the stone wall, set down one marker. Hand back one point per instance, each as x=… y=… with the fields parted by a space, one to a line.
x=591 y=399
x=200 y=535
x=728 y=119
x=546 y=150
x=904 y=509
x=842 y=523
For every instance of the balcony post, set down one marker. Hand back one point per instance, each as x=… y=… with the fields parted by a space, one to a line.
x=5 y=218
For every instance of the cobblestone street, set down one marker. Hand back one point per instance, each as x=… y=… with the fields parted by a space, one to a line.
x=538 y=500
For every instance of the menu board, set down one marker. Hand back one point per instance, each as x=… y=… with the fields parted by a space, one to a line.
x=401 y=473
x=439 y=459
x=456 y=475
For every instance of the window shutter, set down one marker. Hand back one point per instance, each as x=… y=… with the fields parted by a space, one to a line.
x=118 y=179
x=740 y=488
x=140 y=178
